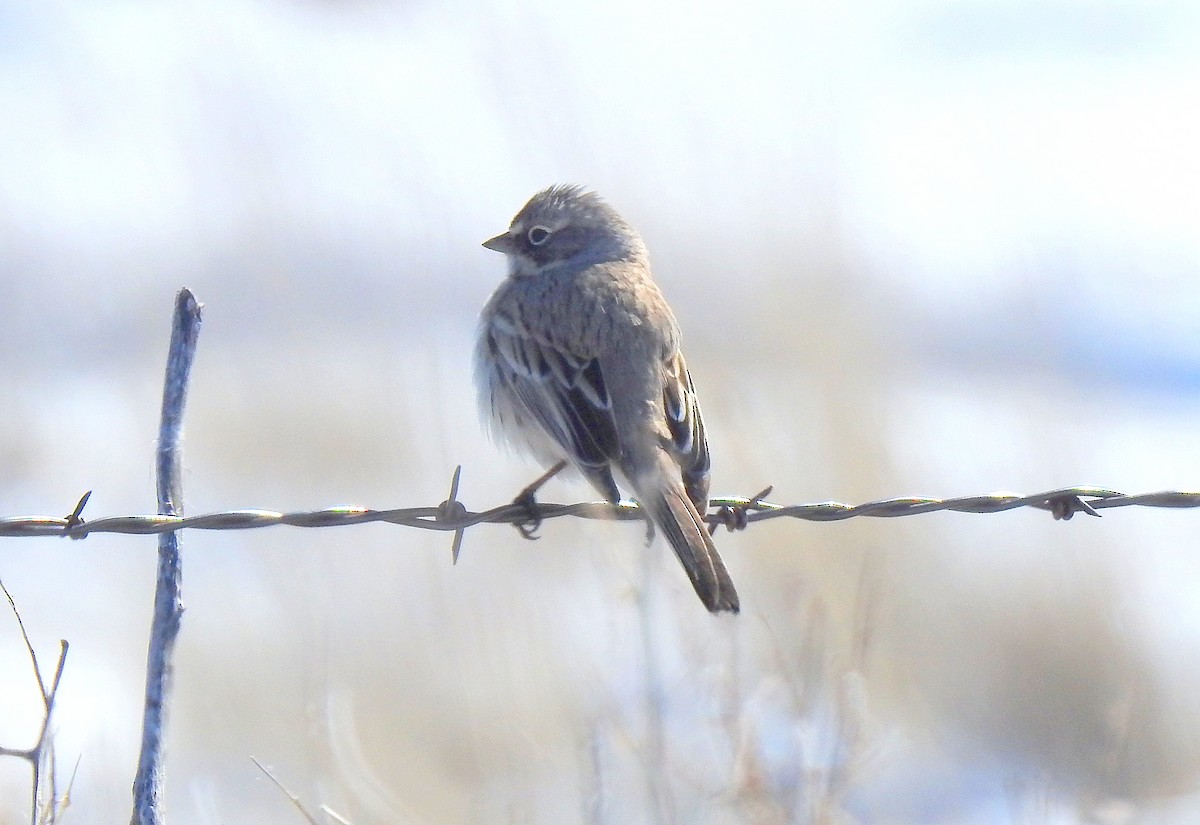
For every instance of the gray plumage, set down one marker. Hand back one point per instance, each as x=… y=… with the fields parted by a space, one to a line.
x=578 y=358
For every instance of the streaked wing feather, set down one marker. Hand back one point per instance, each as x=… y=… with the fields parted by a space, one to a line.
x=688 y=443
x=565 y=394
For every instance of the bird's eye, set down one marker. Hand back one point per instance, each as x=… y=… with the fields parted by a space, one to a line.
x=538 y=235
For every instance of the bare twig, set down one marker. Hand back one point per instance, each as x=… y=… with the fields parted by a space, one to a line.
x=37 y=671
x=65 y=801
x=168 y=605
x=295 y=799
x=42 y=749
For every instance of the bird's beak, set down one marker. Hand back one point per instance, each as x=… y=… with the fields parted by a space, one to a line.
x=501 y=243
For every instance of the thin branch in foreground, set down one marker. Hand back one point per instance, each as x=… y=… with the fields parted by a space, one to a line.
x=42 y=750
x=295 y=799
x=64 y=801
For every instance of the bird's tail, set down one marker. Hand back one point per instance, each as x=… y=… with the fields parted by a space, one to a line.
x=673 y=513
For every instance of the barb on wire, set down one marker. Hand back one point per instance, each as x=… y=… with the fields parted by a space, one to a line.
x=732 y=512
x=452 y=509
x=76 y=516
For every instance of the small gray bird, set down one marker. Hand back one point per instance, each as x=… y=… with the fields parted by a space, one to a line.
x=578 y=360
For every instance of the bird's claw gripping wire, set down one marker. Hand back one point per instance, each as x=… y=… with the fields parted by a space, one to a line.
x=737 y=516
x=1064 y=506
x=526 y=500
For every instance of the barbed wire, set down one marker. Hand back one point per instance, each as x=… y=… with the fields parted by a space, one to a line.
x=452 y=516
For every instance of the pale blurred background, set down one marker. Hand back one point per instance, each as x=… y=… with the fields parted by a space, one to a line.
x=916 y=248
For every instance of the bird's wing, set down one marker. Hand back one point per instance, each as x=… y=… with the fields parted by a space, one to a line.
x=687 y=443
x=565 y=393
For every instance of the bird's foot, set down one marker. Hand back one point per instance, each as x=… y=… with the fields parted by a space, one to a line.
x=527 y=501
x=736 y=516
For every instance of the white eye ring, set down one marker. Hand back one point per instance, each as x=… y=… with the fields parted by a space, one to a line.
x=538 y=235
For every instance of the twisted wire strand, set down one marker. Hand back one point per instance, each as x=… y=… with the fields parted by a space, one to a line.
x=733 y=512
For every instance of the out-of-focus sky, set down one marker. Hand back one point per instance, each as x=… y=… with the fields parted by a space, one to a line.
x=916 y=248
